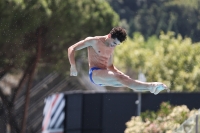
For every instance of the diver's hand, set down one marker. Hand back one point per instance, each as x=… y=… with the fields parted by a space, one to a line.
x=156 y=87
x=73 y=71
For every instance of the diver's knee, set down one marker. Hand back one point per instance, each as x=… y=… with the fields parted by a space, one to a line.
x=120 y=77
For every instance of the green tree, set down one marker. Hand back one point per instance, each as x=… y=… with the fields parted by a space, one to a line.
x=173 y=61
x=151 y=17
x=167 y=119
x=37 y=33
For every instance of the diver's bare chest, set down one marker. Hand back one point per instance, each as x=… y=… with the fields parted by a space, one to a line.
x=103 y=51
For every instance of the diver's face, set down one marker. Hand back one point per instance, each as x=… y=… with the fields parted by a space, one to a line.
x=113 y=42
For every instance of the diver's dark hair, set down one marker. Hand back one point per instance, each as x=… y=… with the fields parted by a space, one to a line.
x=119 y=33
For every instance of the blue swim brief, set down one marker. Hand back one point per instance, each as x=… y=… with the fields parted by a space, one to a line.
x=90 y=74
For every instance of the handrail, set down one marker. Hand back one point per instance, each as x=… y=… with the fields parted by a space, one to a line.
x=191 y=125
x=35 y=89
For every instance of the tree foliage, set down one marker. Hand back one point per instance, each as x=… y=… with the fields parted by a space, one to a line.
x=172 y=60
x=167 y=119
x=38 y=32
x=151 y=17
x=62 y=23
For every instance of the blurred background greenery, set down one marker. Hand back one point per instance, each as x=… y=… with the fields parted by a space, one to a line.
x=168 y=119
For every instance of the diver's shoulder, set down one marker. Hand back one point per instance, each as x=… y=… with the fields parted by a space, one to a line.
x=93 y=37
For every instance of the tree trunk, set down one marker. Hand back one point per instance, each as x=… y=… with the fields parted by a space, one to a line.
x=27 y=99
x=22 y=81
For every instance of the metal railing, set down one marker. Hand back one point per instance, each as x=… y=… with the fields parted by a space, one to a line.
x=191 y=125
